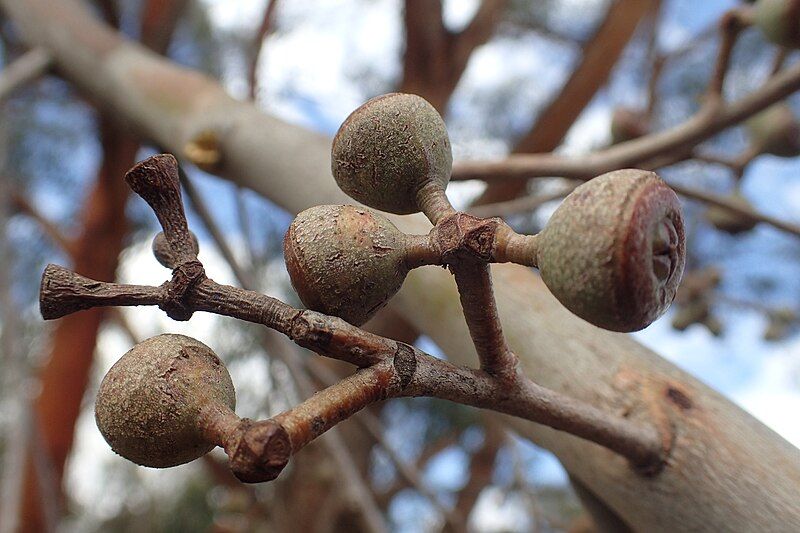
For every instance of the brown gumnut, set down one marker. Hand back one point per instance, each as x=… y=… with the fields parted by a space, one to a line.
x=150 y=404
x=614 y=250
x=344 y=261
x=728 y=221
x=627 y=124
x=779 y=21
x=163 y=252
x=775 y=131
x=388 y=149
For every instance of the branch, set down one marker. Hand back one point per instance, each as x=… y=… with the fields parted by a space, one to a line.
x=23 y=70
x=601 y=53
x=264 y=30
x=395 y=369
x=47 y=226
x=748 y=213
x=638 y=152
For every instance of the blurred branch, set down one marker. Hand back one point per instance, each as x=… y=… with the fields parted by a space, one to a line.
x=676 y=142
x=23 y=70
x=600 y=55
x=47 y=226
x=159 y=19
x=267 y=22
x=435 y=58
x=480 y=469
x=748 y=213
x=523 y=204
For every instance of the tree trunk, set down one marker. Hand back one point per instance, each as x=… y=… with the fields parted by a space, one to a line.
x=727 y=471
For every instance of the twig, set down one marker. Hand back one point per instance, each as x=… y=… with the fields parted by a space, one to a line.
x=642 y=152
x=47 y=226
x=333 y=443
x=394 y=369
x=196 y=201
x=24 y=69
x=372 y=426
x=731 y=24
x=752 y=214
x=258 y=44
x=523 y=204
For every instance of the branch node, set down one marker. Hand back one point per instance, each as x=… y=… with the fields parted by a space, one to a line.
x=184 y=277
x=405 y=364
x=258 y=451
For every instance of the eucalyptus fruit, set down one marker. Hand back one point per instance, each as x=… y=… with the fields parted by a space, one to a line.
x=344 y=261
x=151 y=403
x=613 y=252
x=163 y=253
x=775 y=131
x=779 y=21
x=390 y=149
x=728 y=221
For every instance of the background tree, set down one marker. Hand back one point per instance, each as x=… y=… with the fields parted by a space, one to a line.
x=191 y=116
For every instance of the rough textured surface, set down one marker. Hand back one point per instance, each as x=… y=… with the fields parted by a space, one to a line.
x=776 y=131
x=149 y=402
x=728 y=221
x=388 y=149
x=344 y=261
x=613 y=252
x=779 y=20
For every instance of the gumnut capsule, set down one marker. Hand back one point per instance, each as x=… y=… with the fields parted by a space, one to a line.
x=779 y=21
x=389 y=149
x=775 y=131
x=729 y=221
x=344 y=261
x=613 y=252
x=150 y=403
x=163 y=253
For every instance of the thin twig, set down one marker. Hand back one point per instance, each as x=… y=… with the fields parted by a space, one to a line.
x=258 y=44
x=731 y=25
x=523 y=204
x=47 y=226
x=749 y=213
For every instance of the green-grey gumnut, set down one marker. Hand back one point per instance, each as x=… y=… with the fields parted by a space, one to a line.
x=344 y=261
x=779 y=21
x=613 y=252
x=390 y=148
x=149 y=404
x=775 y=131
